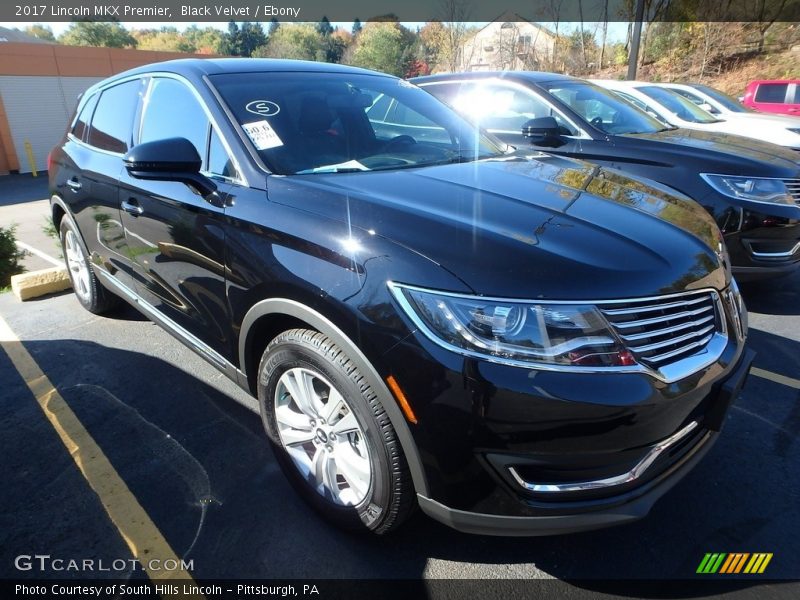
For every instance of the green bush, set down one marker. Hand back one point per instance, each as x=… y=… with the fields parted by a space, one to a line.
x=9 y=256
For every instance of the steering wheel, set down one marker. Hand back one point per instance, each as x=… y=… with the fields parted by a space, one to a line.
x=400 y=140
x=385 y=160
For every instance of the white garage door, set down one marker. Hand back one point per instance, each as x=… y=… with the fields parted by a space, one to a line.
x=38 y=110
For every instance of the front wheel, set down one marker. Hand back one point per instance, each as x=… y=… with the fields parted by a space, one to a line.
x=330 y=434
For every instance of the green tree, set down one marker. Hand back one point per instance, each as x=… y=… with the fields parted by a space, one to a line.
x=166 y=39
x=204 y=41
x=298 y=41
x=324 y=28
x=382 y=46
x=92 y=33
x=243 y=41
x=10 y=256
x=356 y=27
x=43 y=32
x=273 y=25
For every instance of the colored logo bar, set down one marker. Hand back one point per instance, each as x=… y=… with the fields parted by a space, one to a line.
x=734 y=562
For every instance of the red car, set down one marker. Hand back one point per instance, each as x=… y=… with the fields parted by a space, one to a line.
x=775 y=96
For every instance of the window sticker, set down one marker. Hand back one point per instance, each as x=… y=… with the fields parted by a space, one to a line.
x=262 y=135
x=265 y=108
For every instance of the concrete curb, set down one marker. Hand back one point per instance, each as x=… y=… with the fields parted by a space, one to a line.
x=40 y=283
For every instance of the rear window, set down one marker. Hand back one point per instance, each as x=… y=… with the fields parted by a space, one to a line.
x=774 y=93
x=82 y=122
x=112 y=122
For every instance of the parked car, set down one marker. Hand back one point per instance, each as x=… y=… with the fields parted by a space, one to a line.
x=673 y=108
x=774 y=96
x=517 y=343
x=751 y=188
x=778 y=129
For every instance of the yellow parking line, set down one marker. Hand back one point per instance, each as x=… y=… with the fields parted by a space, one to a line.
x=776 y=377
x=144 y=539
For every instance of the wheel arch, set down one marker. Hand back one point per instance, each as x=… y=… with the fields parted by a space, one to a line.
x=269 y=317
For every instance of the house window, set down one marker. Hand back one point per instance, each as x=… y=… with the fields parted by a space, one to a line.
x=523 y=44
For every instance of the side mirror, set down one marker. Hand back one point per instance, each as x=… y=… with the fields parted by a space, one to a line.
x=171 y=159
x=708 y=108
x=543 y=131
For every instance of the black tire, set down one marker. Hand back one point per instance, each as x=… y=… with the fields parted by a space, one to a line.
x=390 y=497
x=88 y=290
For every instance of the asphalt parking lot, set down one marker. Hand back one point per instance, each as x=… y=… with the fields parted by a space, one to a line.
x=195 y=457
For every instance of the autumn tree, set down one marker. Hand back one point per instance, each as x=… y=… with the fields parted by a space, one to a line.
x=42 y=32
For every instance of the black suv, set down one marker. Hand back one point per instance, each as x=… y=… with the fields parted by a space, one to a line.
x=752 y=188
x=517 y=345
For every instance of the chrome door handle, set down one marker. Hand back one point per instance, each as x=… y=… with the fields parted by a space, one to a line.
x=132 y=206
x=74 y=184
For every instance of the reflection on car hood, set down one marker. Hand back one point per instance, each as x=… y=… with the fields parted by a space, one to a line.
x=515 y=227
x=731 y=151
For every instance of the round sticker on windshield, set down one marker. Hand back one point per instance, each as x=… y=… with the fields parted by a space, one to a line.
x=265 y=108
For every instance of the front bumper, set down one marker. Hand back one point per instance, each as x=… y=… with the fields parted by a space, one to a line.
x=614 y=510
x=484 y=429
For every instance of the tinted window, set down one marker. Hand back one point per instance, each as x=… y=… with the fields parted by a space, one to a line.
x=82 y=122
x=219 y=163
x=172 y=110
x=604 y=109
x=327 y=127
x=730 y=103
x=113 y=118
x=377 y=112
x=504 y=108
x=796 y=94
x=678 y=105
x=771 y=92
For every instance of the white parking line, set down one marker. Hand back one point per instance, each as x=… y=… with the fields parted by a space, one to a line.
x=40 y=254
x=776 y=377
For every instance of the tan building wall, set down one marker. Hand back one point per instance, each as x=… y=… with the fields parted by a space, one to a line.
x=39 y=86
x=508 y=45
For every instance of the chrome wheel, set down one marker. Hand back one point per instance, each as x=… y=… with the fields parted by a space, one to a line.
x=322 y=436
x=78 y=268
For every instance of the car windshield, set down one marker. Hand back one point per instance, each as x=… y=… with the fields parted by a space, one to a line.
x=302 y=123
x=601 y=108
x=678 y=105
x=729 y=103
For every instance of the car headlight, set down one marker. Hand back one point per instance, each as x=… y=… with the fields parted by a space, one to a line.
x=759 y=189
x=515 y=332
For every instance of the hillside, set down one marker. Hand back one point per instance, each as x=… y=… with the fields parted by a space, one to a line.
x=731 y=78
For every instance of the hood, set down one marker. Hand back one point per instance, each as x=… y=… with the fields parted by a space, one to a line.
x=723 y=152
x=526 y=227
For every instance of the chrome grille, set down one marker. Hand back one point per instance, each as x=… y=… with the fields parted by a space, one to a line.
x=793 y=185
x=661 y=331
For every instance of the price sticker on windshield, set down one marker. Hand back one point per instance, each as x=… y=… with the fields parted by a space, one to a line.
x=262 y=135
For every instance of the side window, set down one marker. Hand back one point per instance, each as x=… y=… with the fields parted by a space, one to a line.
x=501 y=108
x=774 y=93
x=172 y=110
x=405 y=116
x=81 y=125
x=377 y=112
x=635 y=101
x=113 y=118
x=446 y=92
x=219 y=163
x=689 y=96
x=796 y=94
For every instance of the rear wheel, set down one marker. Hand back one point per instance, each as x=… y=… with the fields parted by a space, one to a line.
x=331 y=435
x=88 y=290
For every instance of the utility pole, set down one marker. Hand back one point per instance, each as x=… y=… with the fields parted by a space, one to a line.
x=633 y=57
